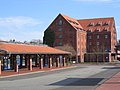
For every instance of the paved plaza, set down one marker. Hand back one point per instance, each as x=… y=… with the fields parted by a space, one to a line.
x=80 y=77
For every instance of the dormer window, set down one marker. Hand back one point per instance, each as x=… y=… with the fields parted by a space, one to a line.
x=60 y=22
x=97 y=30
x=99 y=24
x=70 y=21
x=73 y=22
x=107 y=23
x=91 y=24
x=106 y=29
x=76 y=23
x=89 y=30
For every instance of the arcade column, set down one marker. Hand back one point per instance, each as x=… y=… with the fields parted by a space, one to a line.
x=16 y=66
x=64 y=62
x=41 y=63
x=50 y=62
x=30 y=64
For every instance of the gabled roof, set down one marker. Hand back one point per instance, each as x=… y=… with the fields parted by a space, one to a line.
x=72 y=21
x=29 y=49
x=97 y=23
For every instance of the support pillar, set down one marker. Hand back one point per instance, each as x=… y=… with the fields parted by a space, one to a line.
x=16 y=66
x=64 y=62
x=41 y=63
x=50 y=62
x=30 y=64
x=57 y=62
x=0 y=68
x=110 y=57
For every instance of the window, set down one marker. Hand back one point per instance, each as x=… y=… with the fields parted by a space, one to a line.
x=60 y=30
x=91 y=24
x=106 y=29
x=70 y=29
x=60 y=43
x=73 y=22
x=90 y=43
x=99 y=23
x=89 y=37
x=60 y=22
x=98 y=43
x=60 y=36
x=107 y=23
x=89 y=30
x=106 y=36
x=98 y=36
x=97 y=30
x=23 y=61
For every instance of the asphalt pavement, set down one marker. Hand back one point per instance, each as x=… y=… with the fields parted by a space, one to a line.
x=80 y=77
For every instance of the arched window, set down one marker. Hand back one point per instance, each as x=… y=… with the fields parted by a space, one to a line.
x=60 y=22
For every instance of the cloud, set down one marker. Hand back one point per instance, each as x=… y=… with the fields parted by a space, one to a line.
x=18 y=21
x=20 y=28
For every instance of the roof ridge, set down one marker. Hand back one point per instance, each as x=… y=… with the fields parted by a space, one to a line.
x=22 y=44
x=96 y=18
x=71 y=19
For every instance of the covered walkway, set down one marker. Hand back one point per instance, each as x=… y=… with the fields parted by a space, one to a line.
x=30 y=57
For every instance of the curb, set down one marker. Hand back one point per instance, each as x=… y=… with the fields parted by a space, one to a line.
x=36 y=72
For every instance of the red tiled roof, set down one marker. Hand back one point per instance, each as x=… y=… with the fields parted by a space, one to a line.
x=30 y=49
x=72 y=20
x=85 y=23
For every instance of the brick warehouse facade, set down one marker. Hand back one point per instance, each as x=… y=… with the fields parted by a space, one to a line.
x=92 y=39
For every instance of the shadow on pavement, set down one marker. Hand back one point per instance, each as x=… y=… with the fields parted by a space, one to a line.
x=78 y=82
x=111 y=68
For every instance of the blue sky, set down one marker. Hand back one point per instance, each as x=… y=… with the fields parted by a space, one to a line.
x=24 y=20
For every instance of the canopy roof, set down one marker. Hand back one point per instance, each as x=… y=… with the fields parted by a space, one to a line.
x=29 y=49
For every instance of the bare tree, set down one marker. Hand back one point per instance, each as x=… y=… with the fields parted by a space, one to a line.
x=67 y=47
x=36 y=42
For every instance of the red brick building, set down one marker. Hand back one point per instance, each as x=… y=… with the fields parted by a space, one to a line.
x=68 y=31
x=101 y=38
x=92 y=39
